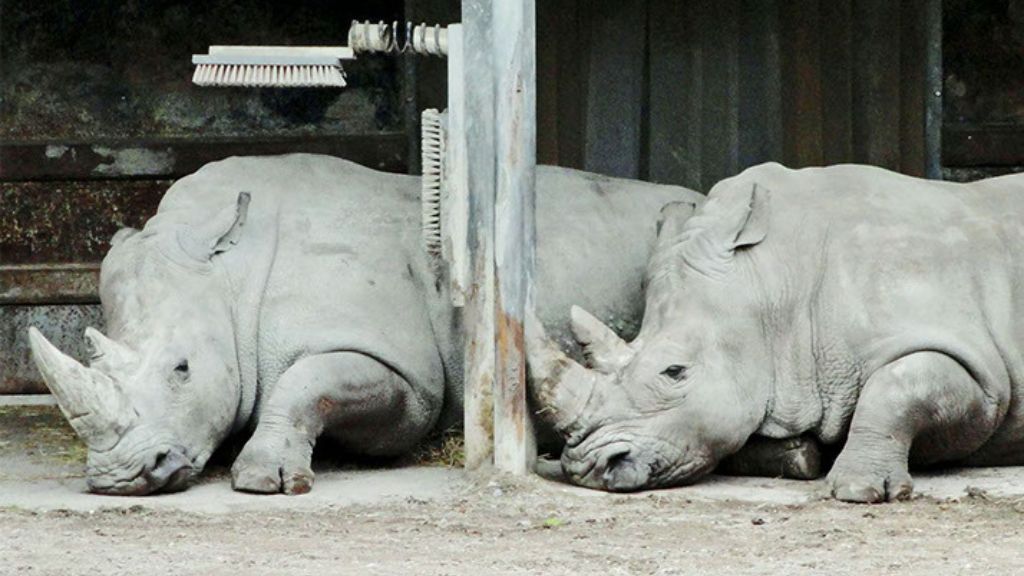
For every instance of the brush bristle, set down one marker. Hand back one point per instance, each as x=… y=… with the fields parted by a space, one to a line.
x=267 y=75
x=432 y=156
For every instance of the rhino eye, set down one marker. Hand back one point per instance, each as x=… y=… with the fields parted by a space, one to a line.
x=676 y=372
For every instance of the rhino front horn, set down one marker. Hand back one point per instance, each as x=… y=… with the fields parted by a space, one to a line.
x=559 y=385
x=93 y=403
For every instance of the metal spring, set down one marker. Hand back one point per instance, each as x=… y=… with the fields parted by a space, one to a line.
x=392 y=38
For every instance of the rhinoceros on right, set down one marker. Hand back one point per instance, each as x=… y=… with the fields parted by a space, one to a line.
x=847 y=302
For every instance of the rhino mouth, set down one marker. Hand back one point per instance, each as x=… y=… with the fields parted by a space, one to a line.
x=630 y=466
x=628 y=474
x=168 y=471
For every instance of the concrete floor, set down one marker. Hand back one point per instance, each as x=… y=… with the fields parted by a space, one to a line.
x=42 y=467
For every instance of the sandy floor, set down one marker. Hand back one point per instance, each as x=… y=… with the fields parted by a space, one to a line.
x=529 y=527
x=443 y=521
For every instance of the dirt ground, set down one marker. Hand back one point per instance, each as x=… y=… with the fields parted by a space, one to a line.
x=442 y=521
x=528 y=527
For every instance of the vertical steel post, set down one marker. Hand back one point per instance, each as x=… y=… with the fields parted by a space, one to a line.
x=515 y=69
x=499 y=84
x=478 y=98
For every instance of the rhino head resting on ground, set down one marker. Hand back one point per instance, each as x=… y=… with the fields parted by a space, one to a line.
x=848 y=303
x=290 y=297
x=176 y=344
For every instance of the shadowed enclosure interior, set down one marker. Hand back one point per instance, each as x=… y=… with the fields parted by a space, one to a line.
x=98 y=116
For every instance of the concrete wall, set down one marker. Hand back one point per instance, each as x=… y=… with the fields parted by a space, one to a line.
x=98 y=116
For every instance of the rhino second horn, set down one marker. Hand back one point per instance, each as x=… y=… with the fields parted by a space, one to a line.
x=559 y=385
x=604 y=349
x=91 y=401
x=108 y=348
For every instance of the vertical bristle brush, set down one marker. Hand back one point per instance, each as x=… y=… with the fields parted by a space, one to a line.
x=282 y=66
x=432 y=148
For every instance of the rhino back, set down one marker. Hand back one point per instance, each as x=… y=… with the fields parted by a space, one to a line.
x=888 y=264
x=594 y=237
x=347 y=272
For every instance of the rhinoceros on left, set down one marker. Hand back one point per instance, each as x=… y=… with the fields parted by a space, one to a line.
x=290 y=296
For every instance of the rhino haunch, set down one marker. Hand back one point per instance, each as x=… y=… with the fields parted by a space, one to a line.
x=306 y=306
x=845 y=302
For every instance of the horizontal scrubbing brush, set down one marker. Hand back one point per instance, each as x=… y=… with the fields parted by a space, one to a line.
x=312 y=66
x=271 y=66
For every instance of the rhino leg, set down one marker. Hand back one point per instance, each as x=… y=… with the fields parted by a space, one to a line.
x=348 y=395
x=925 y=400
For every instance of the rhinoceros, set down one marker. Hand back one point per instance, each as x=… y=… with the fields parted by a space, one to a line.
x=849 y=303
x=290 y=296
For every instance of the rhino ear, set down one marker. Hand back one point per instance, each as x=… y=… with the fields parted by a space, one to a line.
x=755 y=226
x=739 y=217
x=217 y=235
x=672 y=219
x=736 y=217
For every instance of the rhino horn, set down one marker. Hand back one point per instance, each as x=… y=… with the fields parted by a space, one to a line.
x=559 y=385
x=603 y=348
x=93 y=403
x=107 y=348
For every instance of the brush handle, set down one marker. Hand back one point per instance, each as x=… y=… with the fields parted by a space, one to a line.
x=257 y=60
x=339 y=52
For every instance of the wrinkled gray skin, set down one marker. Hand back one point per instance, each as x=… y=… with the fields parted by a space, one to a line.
x=845 y=302
x=309 y=307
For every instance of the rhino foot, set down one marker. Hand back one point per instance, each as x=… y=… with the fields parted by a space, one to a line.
x=925 y=400
x=270 y=468
x=869 y=484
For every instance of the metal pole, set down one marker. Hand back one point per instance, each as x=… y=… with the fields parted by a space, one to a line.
x=478 y=91
x=515 y=70
x=499 y=89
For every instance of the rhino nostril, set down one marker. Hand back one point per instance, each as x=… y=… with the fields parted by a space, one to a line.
x=617 y=459
x=159 y=462
x=171 y=469
x=614 y=460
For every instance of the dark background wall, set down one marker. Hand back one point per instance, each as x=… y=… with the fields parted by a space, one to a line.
x=98 y=116
x=983 y=54
x=692 y=92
